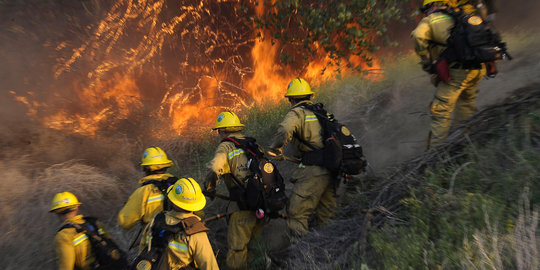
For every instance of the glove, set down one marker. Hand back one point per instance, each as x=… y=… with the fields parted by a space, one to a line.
x=210 y=185
x=427 y=65
x=276 y=154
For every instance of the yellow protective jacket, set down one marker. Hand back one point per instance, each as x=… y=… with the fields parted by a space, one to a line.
x=144 y=203
x=300 y=127
x=432 y=31
x=183 y=249
x=73 y=250
x=230 y=160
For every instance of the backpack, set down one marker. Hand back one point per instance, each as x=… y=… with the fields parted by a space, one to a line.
x=108 y=254
x=265 y=188
x=163 y=185
x=151 y=257
x=472 y=40
x=341 y=153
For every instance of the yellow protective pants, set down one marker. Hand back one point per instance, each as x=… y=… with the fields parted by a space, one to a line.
x=243 y=227
x=457 y=96
x=314 y=194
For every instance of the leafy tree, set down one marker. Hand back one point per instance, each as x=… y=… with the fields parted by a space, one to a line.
x=341 y=28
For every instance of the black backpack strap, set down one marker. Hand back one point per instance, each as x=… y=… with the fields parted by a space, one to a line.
x=162 y=184
x=161 y=231
x=70 y=225
x=248 y=144
x=322 y=116
x=89 y=227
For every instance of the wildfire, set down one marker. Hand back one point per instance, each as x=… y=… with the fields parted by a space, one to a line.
x=198 y=65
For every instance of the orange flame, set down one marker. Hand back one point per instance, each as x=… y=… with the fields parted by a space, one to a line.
x=110 y=97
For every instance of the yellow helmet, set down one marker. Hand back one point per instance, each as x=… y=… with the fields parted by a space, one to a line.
x=298 y=87
x=155 y=158
x=186 y=194
x=228 y=121
x=63 y=201
x=426 y=2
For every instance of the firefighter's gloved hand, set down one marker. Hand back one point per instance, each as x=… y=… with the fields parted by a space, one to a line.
x=427 y=65
x=210 y=183
x=276 y=154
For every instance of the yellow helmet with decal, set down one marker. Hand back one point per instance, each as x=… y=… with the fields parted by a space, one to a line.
x=298 y=88
x=155 y=158
x=63 y=201
x=229 y=122
x=186 y=194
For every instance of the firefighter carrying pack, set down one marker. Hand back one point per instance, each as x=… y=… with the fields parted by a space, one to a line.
x=152 y=256
x=265 y=188
x=163 y=185
x=341 y=153
x=472 y=42
x=107 y=253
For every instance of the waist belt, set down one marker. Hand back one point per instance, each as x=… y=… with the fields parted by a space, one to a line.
x=465 y=66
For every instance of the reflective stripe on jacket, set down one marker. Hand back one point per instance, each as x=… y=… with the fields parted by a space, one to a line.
x=432 y=31
x=303 y=131
x=73 y=249
x=184 y=249
x=229 y=159
x=144 y=203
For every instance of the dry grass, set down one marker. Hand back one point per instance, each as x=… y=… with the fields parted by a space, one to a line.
x=489 y=247
x=28 y=229
x=344 y=241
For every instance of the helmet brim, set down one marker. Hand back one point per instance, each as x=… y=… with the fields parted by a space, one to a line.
x=63 y=208
x=201 y=202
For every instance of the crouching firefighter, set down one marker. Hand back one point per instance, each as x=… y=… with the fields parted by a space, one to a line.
x=325 y=150
x=149 y=198
x=177 y=239
x=255 y=187
x=81 y=242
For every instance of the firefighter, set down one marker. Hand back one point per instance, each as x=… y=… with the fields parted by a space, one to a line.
x=456 y=96
x=73 y=249
x=190 y=246
x=148 y=200
x=313 y=189
x=230 y=163
x=485 y=8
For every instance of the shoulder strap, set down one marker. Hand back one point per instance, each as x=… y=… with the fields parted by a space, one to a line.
x=193 y=225
x=248 y=144
x=162 y=184
x=161 y=224
x=70 y=225
x=324 y=118
x=89 y=226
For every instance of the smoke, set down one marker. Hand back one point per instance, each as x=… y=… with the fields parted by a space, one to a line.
x=39 y=158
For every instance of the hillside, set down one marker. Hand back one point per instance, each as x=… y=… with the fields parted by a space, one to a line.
x=469 y=204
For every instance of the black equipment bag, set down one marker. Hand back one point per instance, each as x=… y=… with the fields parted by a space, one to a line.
x=472 y=41
x=161 y=232
x=107 y=253
x=341 y=153
x=265 y=187
x=163 y=185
